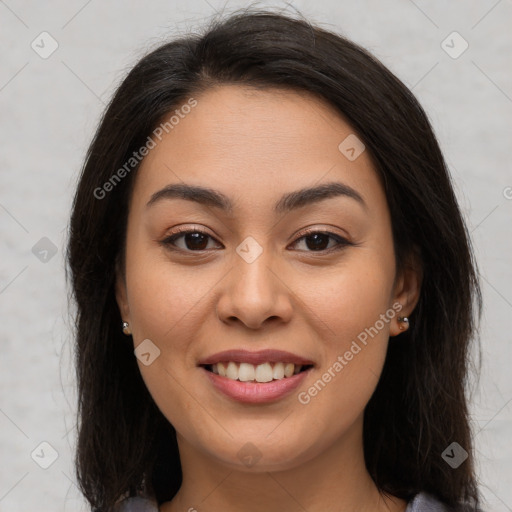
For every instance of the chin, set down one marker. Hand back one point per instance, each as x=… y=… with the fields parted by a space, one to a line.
x=258 y=455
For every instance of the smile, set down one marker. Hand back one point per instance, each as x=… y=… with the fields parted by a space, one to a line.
x=254 y=392
x=265 y=372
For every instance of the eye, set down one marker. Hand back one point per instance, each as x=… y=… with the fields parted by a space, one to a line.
x=195 y=240
x=318 y=241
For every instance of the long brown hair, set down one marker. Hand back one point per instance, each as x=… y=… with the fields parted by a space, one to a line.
x=420 y=405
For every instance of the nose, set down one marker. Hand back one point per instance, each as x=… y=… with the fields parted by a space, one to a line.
x=255 y=293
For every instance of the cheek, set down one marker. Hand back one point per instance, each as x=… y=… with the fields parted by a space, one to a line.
x=350 y=298
x=352 y=316
x=165 y=303
x=163 y=296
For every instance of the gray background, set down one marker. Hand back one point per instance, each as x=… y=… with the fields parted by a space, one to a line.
x=50 y=108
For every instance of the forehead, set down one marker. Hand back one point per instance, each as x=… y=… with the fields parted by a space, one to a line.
x=254 y=144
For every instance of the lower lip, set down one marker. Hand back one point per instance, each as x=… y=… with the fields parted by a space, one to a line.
x=256 y=392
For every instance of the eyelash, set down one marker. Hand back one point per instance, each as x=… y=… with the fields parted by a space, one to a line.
x=341 y=242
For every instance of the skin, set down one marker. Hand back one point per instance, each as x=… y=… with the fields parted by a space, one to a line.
x=254 y=146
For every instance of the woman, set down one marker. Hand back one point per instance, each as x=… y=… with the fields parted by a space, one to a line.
x=228 y=360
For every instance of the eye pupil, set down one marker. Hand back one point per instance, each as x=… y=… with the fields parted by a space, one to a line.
x=196 y=239
x=318 y=242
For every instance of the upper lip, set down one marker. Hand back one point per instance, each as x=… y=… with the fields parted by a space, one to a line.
x=259 y=357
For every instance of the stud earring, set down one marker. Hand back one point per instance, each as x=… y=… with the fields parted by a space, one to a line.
x=126 y=328
x=404 y=322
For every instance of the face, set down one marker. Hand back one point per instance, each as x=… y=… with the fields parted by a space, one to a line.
x=279 y=270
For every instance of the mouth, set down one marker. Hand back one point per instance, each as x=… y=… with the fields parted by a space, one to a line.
x=261 y=373
x=255 y=384
x=255 y=377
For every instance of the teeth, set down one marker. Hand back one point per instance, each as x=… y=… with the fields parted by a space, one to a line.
x=220 y=368
x=246 y=372
x=288 y=369
x=278 y=371
x=263 y=372
x=232 y=370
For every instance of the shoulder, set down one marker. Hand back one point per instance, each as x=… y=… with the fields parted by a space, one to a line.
x=137 y=504
x=425 y=502
x=422 y=502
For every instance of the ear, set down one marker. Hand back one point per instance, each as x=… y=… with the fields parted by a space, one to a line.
x=121 y=293
x=407 y=289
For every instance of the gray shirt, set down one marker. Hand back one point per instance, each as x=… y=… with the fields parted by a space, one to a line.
x=422 y=502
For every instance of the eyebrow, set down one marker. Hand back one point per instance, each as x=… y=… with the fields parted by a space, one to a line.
x=288 y=202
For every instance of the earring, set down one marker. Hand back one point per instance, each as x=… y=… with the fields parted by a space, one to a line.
x=403 y=320
x=126 y=328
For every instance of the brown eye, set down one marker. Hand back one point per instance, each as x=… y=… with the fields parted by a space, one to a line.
x=318 y=241
x=193 y=240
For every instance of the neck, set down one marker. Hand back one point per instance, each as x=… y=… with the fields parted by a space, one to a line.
x=334 y=480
